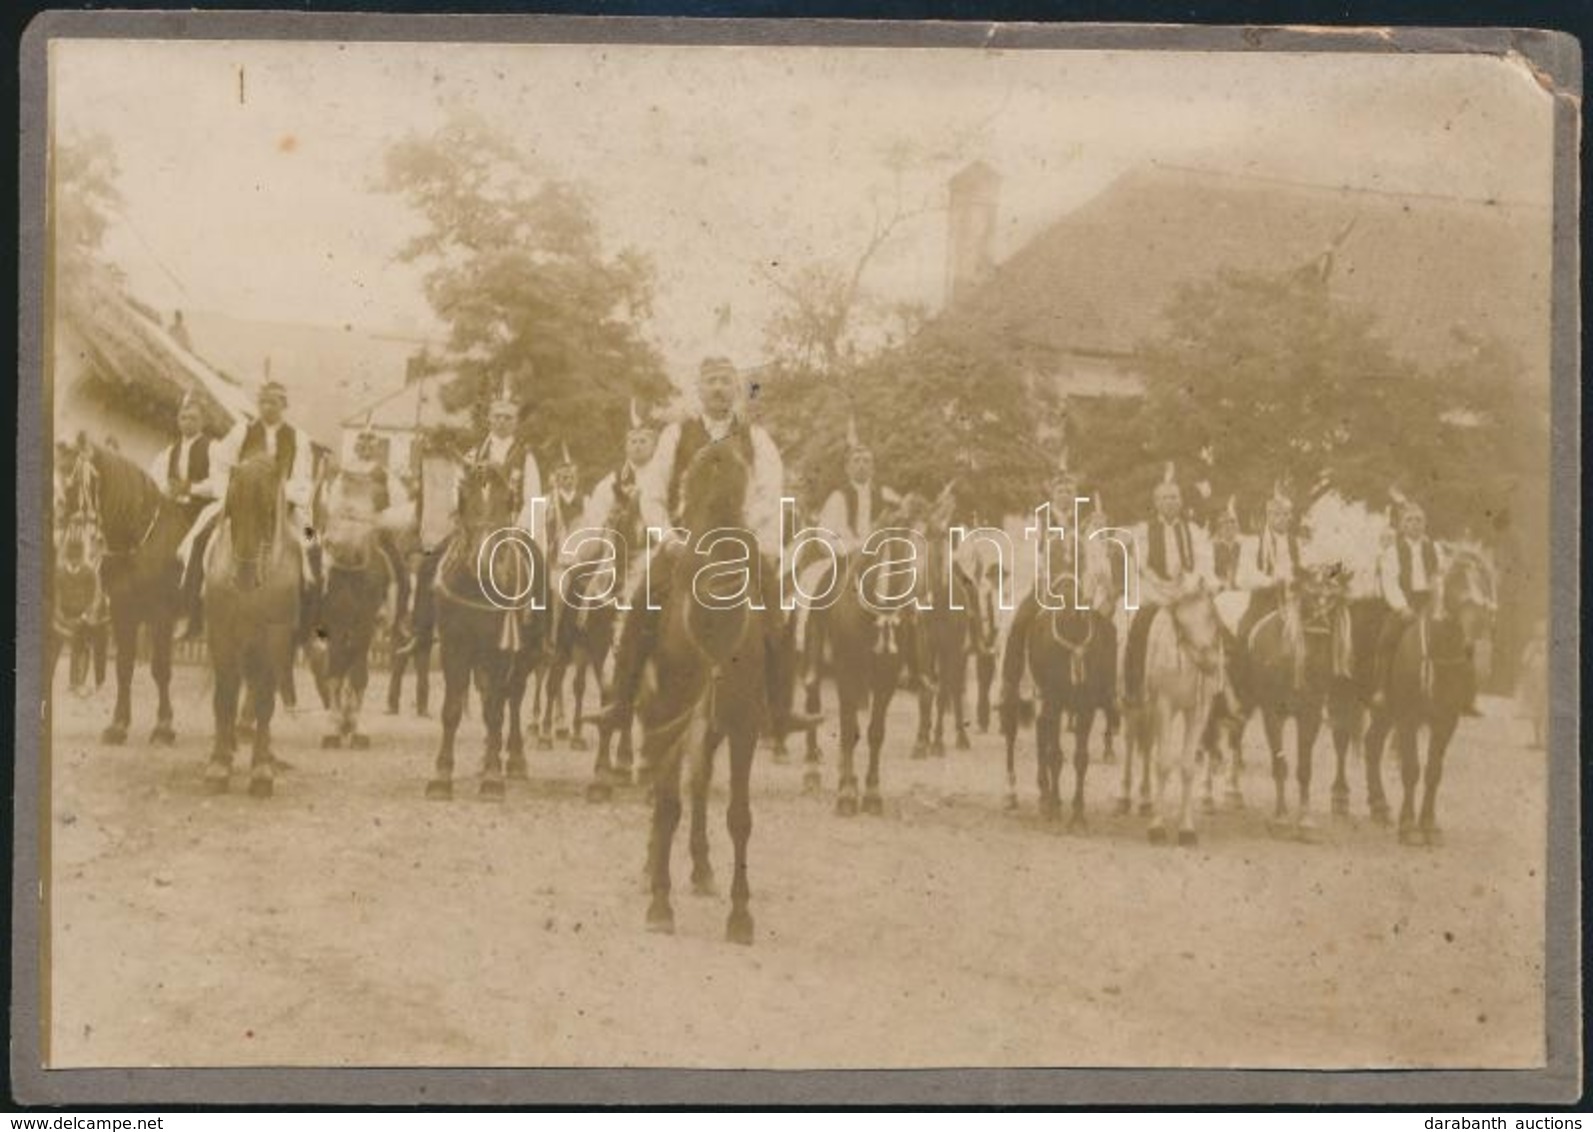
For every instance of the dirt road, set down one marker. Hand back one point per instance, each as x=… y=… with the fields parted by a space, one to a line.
x=350 y=922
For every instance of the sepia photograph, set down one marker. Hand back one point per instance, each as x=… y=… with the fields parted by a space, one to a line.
x=793 y=557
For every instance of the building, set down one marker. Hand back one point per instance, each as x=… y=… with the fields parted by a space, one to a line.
x=399 y=418
x=118 y=373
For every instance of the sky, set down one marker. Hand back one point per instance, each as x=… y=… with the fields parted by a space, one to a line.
x=248 y=170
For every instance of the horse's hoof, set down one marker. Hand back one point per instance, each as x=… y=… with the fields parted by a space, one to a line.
x=780 y=754
x=1341 y=806
x=1012 y=802
x=440 y=790
x=544 y=743
x=1188 y=838
x=1208 y=805
x=937 y=749
x=738 y=929
x=1052 y=812
x=846 y=806
x=1382 y=816
x=359 y=741
x=1124 y=807
x=217 y=778
x=1077 y=823
x=1146 y=809
x=578 y=743
x=492 y=789
x=598 y=791
x=113 y=736
x=163 y=735
x=962 y=741
x=1234 y=799
x=517 y=769
x=920 y=750
x=331 y=742
x=1109 y=757
x=261 y=786
x=704 y=885
x=1434 y=837
x=872 y=804
x=660 y=916
x=1157 y=835
x=812 y=782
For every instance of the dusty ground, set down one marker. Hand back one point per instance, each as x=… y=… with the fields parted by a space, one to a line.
x=349 y=921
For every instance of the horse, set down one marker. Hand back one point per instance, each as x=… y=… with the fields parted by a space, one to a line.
x=949 y=626
x=139 y=529
x=1352 y=721
x=491 y=596
x=1184 y=672
x=251 y=599
x=1430 y=681
x=1292 y=657
x=357 y=574
x=871 y=634
x=1072 y=659
x=597 y=632
x=986 y=631
x=708 y=683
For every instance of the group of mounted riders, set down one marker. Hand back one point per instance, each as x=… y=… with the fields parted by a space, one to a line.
x=240 y=537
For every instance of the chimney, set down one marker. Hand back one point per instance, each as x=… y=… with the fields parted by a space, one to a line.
x=971 y=229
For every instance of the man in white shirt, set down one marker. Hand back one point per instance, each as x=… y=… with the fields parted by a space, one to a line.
x=1268 y=562
x=1408 y=574
x=1173 y=557
x=183 y=472
x=614 y=499
x=503 y=449
x=718 y=422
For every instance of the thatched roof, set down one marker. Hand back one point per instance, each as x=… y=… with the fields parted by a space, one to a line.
x=1435 y=269
x=125 y=349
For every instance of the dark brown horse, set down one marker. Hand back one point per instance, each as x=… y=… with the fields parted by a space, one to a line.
x=1431 y=679
x=491 y=603
x=357 y=574
x=252 y=578
x=140 y=530
x=871 y=631
x=1353 y=723
x=950 y=631
x=1072 y=658
x=709 y=682
x=597 y=629
x=1292 y=659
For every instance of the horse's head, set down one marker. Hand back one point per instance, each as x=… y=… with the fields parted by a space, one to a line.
x=254 y=513
x=1322 y=590
x=348 y=518
x=1198 y=627
x=713 y=489
x=486 y=497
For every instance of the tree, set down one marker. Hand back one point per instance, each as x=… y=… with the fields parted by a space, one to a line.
x=1261 y=377
x=84 y=173
x=531 y=298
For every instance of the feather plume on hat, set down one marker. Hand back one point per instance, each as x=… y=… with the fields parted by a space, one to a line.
x=505 y=400
x=854 y=443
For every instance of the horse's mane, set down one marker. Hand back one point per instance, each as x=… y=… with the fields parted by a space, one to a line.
x=714 y=486
x=126 y=493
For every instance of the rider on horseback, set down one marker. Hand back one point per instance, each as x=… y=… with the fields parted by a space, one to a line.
x=1055 y=579
x=503 y=449
x=385 y=493
x=1173 y=557
x=1268 y=564
x=183 y=471
x=1409 y=573
x=270 y=435
x=718 y=423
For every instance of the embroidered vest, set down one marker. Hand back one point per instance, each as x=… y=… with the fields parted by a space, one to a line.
x=254 y=444
x=562 y=518
x=1429 y=562
x=1225 y=558
x=1156 y=532
x=198 y=460
x=693 y=439
x=512 y=465
x=1264 y=561
x=876 y=503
